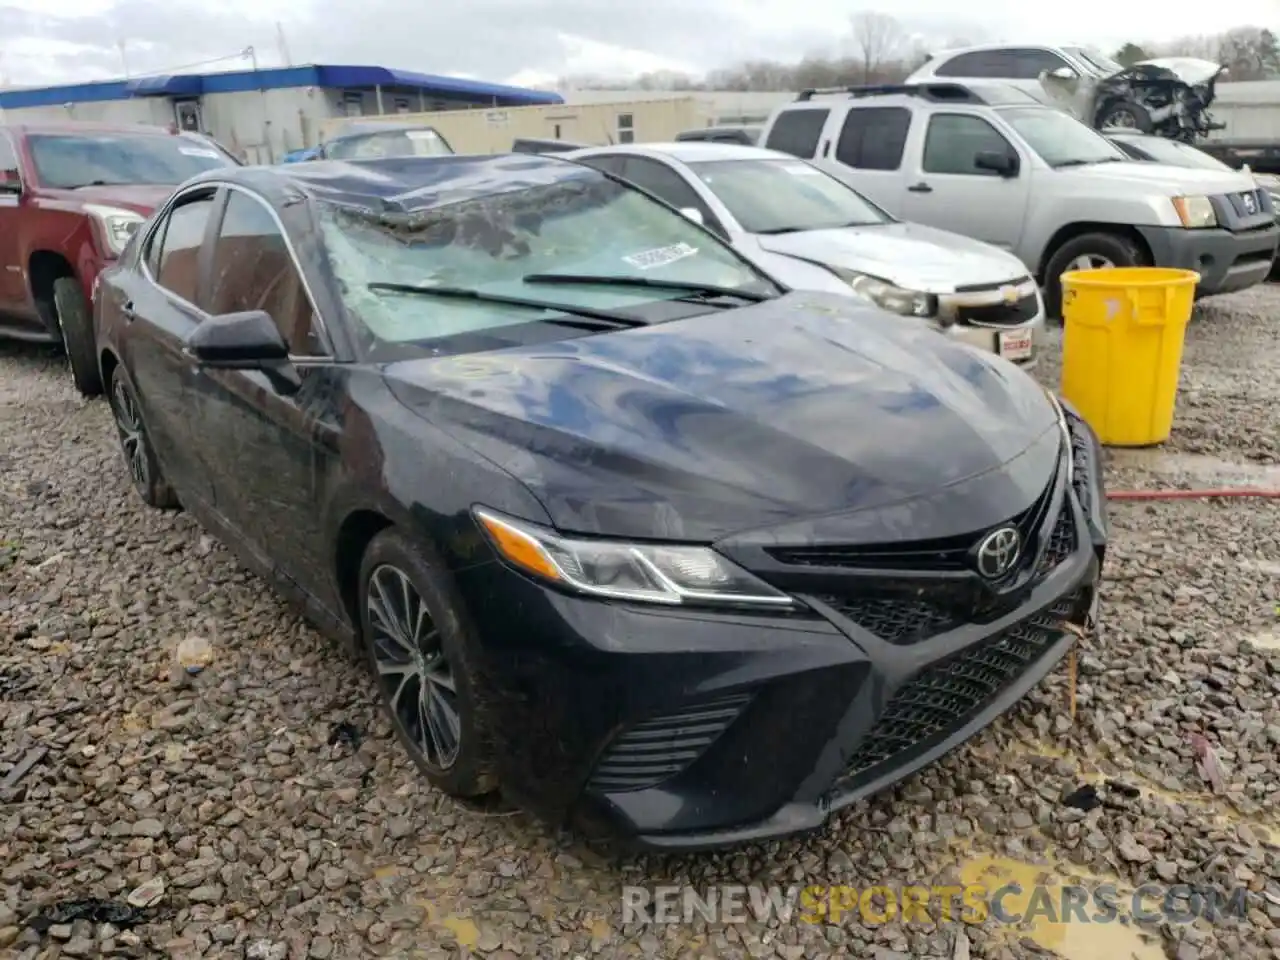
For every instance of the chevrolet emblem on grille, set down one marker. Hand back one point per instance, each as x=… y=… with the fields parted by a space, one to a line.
x=1010 y=295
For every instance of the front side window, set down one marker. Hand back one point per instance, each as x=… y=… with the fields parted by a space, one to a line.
x=582 y=224
x=954 y=141
x=785 y=196
x=393 y=143
x=178 y=265
x=254 y=270
x=1028 y=64
x=67 y=161
x=1060 y=140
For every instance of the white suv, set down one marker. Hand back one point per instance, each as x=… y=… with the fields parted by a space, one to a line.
x=1020 y=67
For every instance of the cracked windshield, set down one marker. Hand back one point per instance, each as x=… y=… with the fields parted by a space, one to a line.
x=639 y=482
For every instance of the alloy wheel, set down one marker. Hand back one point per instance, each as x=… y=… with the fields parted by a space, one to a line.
x=412 y=668
x=1090 y=261
x=133 y=438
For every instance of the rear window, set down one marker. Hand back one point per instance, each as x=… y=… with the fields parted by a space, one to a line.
x=797 y=131
x=68 y=161
x=873 y=138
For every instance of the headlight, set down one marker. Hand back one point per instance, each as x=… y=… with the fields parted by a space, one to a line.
x=886 y=296
x=117 y=225
x=1195 y=212
x=645 y=572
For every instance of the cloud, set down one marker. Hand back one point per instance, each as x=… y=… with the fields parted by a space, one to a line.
x=534 y=41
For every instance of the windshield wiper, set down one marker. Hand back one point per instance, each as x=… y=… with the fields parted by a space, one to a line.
x=1085 y=163
x=604 y=319
x=776 y=231
x=696 y=289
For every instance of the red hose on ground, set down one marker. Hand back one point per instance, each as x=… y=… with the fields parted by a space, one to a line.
x=1225 y=492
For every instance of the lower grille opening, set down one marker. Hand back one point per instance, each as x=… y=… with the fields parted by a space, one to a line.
x=945 y=696
x=659 y=748
x=893 y=620
x=1001 y=314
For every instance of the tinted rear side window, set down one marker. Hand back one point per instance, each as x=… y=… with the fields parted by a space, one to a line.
x=983 y=63
x=873 y=138
x=797 y=131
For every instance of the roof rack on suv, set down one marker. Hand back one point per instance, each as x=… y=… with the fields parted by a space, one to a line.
x=944 y=92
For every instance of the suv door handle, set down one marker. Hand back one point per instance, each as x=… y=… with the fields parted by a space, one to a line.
x=826 y=148
x=126 y=311
x=921 y=187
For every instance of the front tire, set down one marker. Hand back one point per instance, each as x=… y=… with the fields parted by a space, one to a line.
x=1089 y=251
x=135 y=444
x=75 y=320
x=419 y=649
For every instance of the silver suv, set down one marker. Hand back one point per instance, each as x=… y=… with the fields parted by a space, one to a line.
x=992 y=162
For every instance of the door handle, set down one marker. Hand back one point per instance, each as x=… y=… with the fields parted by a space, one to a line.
x=126 y=311
x=826 y=147
x=921 y=187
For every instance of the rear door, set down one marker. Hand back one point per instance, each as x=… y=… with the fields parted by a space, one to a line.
x=867 y=153
x=163 y=303
x=949 y=191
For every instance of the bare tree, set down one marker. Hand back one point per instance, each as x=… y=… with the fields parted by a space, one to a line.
x=877 y=42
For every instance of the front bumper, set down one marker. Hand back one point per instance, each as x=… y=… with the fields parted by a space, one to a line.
x=1004 y=319
x=1226 y=261
x=682 y=729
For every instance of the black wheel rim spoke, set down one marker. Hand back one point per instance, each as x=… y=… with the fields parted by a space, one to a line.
x=132 y=438
x=413 y=671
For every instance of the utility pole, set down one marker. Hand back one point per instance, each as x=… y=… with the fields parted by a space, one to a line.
x=284 y=47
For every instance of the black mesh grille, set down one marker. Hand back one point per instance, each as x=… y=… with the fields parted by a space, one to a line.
x=943 y=555
x=945 y=696
x=1001 y=314
x=893 y=620
x=1062 y=541
x=657 y=749
x=1081 y=457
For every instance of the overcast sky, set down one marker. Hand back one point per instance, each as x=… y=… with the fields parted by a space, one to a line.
x=534 y=41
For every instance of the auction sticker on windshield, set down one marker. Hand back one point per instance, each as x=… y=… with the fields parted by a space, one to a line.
x=661 y=256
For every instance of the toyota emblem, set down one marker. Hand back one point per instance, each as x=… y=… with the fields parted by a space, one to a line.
x=998 y=552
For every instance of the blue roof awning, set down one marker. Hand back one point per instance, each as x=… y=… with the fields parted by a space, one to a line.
x=332 y=76
x=168 y=85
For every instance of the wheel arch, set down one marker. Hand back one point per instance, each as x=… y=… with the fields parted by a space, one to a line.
x=354 y=534
x=1070 y=231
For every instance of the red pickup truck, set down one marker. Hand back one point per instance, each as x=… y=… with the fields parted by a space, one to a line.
x=71 y=196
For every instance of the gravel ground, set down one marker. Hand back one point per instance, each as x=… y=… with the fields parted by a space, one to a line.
x=226 y=797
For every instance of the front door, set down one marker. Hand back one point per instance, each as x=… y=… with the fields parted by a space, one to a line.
x=13 y=280
x=951 y=192
x=270 y=450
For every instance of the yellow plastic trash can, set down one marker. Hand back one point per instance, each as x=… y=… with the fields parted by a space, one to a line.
x=1122 y=349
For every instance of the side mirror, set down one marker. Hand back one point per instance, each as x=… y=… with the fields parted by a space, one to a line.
x=10 y=182
x=1005 y=164
x=244 y=341
x=1063 y=73
x=694 y=214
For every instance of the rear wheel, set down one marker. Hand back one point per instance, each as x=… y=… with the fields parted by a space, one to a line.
x=1089 y=251
x=421 y=656
x=139 y=457
x=75 y=321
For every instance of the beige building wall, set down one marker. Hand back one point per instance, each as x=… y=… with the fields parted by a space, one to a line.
x=484 y=130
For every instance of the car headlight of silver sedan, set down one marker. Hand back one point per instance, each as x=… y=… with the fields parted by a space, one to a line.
x=674 y=574
x=888 y=296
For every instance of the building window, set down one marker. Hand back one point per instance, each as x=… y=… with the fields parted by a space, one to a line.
x=402 y=105
x=626 y=128
x=353 y=104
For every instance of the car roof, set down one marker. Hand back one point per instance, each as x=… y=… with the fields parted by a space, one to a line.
x=402 y=184
x=690 y=151
x=86 y=127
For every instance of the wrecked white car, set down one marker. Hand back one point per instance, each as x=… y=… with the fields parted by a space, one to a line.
x=1168 y=97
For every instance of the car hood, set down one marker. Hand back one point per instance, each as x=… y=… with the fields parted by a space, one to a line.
x=139 y=198
x=907 y=254
x=1162 y=177
x=807 y=405
x=1190 y=70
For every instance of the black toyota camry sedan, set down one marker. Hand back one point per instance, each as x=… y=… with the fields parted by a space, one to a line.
x=623 y=526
